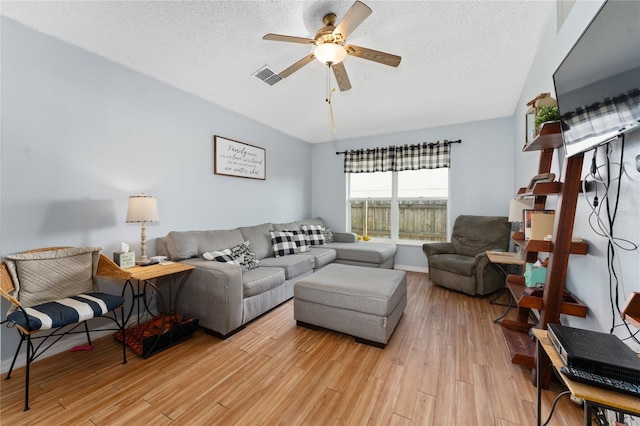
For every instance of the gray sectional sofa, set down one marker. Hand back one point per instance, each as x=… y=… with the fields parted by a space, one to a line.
x=226 y=296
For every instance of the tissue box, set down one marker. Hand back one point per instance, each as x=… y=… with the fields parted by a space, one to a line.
x=534 y=275
x=125 y=260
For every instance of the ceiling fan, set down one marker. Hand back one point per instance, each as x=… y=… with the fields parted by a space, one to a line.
x=330 y=48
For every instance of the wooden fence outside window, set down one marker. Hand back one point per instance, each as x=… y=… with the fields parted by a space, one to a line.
x=418 y=219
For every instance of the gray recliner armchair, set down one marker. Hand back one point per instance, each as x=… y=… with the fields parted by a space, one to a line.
x=462 y=264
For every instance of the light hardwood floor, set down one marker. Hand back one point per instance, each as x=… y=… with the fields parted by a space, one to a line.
x=446 y=364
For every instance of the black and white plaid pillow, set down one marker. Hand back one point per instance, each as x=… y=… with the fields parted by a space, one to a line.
x=283 y=243
x=301 y=240
x=315 y=233
x=244 y=255
x=224 y=256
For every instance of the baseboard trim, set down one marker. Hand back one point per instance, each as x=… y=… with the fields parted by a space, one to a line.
x=410 y=268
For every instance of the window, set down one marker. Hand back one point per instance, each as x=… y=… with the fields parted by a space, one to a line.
x=406 y=205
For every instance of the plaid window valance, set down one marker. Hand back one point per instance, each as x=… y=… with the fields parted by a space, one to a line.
x=398 y=158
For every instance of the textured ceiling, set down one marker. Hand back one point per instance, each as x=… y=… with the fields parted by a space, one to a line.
x=461 y=60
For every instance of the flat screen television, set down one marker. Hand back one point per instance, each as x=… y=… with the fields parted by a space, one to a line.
x=598 y=82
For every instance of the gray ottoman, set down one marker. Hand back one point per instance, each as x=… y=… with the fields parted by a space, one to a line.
x=366 y=303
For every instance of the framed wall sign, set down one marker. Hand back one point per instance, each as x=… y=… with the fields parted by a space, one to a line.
x=233 y=158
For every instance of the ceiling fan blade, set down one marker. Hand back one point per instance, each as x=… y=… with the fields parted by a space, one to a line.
x=354 y=17
x=295 y=67
x=289 y=39
x=373 y=55
x=341 y=76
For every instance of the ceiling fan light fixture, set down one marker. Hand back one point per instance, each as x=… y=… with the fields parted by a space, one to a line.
x=330 y=53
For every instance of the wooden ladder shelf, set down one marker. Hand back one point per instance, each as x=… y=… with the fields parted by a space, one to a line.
x=555 y=299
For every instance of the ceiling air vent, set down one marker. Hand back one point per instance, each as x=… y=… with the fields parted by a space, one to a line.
x=268 y=76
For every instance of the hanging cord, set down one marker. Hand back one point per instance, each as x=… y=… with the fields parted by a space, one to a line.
x=604 y=227
x=553 y=407
x=329 y=94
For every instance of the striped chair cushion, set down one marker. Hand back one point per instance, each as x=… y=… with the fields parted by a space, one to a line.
x=66 y=311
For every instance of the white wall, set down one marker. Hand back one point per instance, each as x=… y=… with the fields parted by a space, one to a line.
x=481 y=174
x=587 y=276
x=80 y=134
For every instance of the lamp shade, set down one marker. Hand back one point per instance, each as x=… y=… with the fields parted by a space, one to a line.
x=330 y=52
x=142 y=208
x=516 y=207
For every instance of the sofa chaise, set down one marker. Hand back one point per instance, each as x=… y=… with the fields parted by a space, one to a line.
x=237 y=285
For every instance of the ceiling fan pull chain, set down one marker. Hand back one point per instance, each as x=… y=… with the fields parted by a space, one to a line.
x=328 y=82
x=329 y=94
x=333 y=123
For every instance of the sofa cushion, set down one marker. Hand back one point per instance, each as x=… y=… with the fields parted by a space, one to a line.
x=368 y=252
x=218 y=240
x=315 y=221
x=259 y=280
x=323 y=256
x=293 y=265
x=182 y=244
x=260 y=239
x=187 y=244
x=161 y=246
x=286 y=226
x=315 y=234
x=473 y=235
x=456 y=263
x=283 y=243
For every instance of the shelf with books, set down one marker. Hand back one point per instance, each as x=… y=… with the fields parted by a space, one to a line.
x=578 y=246
x=571 y=305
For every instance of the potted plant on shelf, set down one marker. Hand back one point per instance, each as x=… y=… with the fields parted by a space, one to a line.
x=549 y=118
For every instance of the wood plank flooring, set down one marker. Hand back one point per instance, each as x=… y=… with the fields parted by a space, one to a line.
x=446 y=364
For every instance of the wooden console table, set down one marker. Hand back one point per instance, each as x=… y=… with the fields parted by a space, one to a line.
x=168 y=328
x=504 y=258
x=592 y=396
x=145 y=275
x=500 y=258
